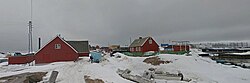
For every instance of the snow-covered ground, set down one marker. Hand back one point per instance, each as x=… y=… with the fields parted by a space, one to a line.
x=2 y=60
x=245 y=53
x=200 y=70
x=196 y=52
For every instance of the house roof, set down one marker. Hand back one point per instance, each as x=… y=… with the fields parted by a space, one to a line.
x=139 y=42
x=53 y=40
x=79 y=46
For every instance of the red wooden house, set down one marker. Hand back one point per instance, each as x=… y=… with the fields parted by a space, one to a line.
x=144 y=45
x=60 y=50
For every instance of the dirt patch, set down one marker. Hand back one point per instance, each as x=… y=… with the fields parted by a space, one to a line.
x=88 y=80
x=24 y=78
x=36 y=77
x=155 y=61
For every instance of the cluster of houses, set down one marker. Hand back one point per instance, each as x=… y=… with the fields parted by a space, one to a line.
x=59 y=49
x=56 y=50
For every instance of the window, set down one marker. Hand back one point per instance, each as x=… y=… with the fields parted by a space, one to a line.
x=132 y=49
x=57 y=46
x=150 y=41
x=137 y=49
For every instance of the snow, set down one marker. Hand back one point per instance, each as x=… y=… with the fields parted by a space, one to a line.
x=204 y=70
x=199 y=69
x=122 y=56
x=196 y=51
x=243 y=48
x=2 y=55
x=245 y=53
x=17 y=69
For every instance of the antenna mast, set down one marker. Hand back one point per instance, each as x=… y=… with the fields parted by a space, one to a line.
x=30 y=30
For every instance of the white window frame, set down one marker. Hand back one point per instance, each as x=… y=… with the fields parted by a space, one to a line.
x=150 y=41
x=58 y=46
x=139 y=48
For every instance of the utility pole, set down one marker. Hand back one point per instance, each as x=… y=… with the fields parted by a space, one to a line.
x=30 y=37
x=30 y=34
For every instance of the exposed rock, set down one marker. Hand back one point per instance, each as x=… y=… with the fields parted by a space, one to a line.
x=88 y=80
x=155 y=61
x=24 y=77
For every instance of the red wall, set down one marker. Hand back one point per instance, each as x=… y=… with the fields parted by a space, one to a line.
x=180 y=48
x=83 y=54
x=150 y=47
x=20 y=59
x=49 y=54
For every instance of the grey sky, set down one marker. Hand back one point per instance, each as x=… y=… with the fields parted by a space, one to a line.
x=106 y=22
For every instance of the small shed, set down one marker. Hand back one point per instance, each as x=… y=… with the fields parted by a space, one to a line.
x=20 y=59
x=96 y=57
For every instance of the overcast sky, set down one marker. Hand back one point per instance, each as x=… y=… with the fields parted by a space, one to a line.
x=106 y=22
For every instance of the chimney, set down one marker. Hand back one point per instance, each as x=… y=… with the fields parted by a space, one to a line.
x=140 y=37
x=39 y=43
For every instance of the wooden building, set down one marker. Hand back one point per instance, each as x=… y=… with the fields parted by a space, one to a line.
x=144 y=45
